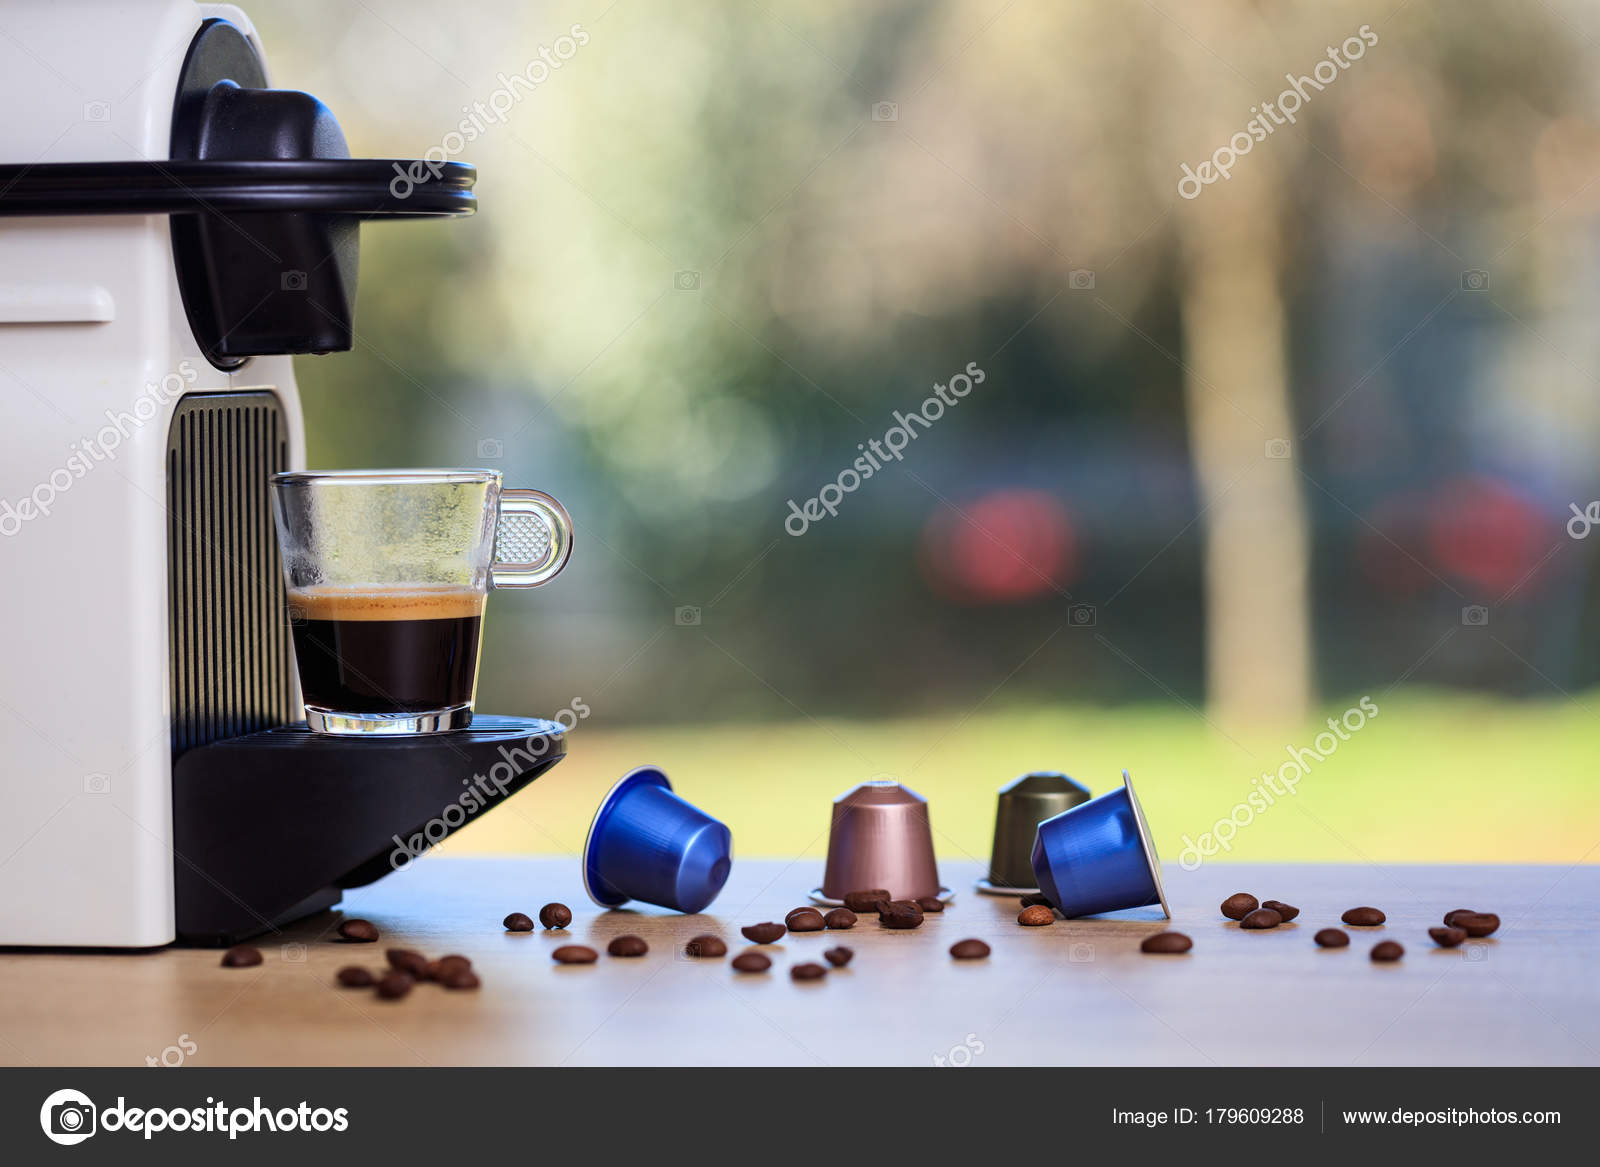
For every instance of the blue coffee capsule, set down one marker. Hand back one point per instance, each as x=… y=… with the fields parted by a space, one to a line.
x=1099 y=857
x=646 y=843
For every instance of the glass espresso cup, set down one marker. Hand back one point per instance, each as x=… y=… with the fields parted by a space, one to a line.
x=388 y=572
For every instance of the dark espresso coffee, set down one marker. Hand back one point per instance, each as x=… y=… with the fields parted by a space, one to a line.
x=403 y=650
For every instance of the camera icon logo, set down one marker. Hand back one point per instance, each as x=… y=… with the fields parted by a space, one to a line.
x=885 y=111
x=97 y=784
x=1475 y=616
x=294 y=952
x=1082 y=616
x=293 y=281
x=491 y=449
x=1279 y=448
x=1476 y=953
x=294 y=615
x=97 y=111
x=687 y=616
x=1081 y=953
x=686 y=281
x=68 y=1117
x=1080 y=279
x=1475 y=280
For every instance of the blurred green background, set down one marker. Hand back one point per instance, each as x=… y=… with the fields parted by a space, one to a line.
x=1236 y=461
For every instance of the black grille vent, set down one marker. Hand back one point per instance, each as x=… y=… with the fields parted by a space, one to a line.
x=231 y=666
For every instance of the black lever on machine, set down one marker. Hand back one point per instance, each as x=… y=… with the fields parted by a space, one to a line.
x=266 y=204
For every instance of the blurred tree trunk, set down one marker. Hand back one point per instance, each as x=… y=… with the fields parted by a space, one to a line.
x=1256 y=543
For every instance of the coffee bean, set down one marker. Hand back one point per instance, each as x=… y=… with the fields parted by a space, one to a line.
x=1479 y=924
x=1239 y=905
x=1364 y=917
x=356 y=977
x=1387 y=950
x=1036 y=916
x=461 y=978
x=1288 y=913
x=705 y=946
x=763 y=933
x=574 y=954
x=900 y=914
x=839 y=919
x=931 y=904
x=555 y=916
x=969 y=950
x=628 y=946
x=804 y=920
x=751 y=962
x=840 y=956
x=1448 y=937
x=1261 y=919
x=241 y=957
x=866 y=901
x=359 y=931
x=1450 y=917
x=1033 y=898
x=1332 y=938
x=518 y=922
x=395 y=985
x=1166 y=942
x=413 y=964
x=808 y=972
x=449 y=965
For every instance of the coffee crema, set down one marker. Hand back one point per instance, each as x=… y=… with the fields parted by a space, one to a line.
x=377 y=650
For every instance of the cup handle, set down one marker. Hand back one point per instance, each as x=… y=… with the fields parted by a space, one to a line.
x=505 y=573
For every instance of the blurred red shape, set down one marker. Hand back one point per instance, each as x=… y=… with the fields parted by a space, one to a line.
x=1007 y=546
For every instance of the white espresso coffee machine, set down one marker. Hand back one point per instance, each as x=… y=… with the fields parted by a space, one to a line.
x=171 y=230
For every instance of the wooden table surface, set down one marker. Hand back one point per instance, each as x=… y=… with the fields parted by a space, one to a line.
x=1077 y=992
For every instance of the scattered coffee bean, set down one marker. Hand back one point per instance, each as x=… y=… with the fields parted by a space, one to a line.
x=413 y=964
x=767 y=933
x=1332 y=938
x=1387 y=950
x=866 y=901
x=900 y=914
x=839 y=919
x=808 y=972
x=518 y=922
x=751 y=962
x=628 y=946
x=1261 y=919
x=1448 y=937
x=1479 y=924
x=356 y=977
x=1239 y=905
x=1033 y=898
x=1364 y=917
x=461 y=978
x=1288 y=913
x=574 y=954
x=448 y=965
x=705 y=946
x=555 y=916
x=395 y=985
x=241 y=957
x=804 y=920
x=1036 y=916
x=970 y=949
x=1166 y=942
x=1450 y=917
x=839 y=957
x=359 y=931
x=930 y=904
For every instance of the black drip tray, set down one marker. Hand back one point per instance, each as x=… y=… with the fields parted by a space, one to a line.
x=270 y=826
